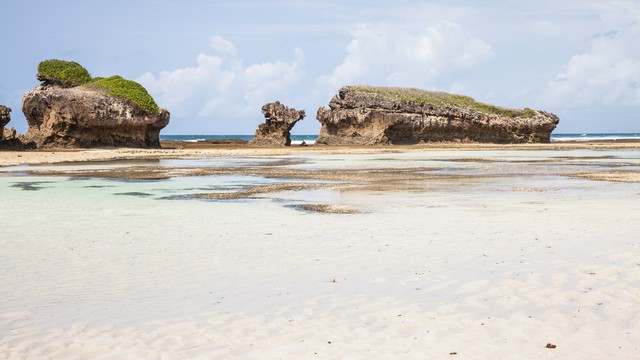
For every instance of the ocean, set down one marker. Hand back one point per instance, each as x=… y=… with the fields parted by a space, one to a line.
x=295 y=139
x=310 y=139
x=595 y=137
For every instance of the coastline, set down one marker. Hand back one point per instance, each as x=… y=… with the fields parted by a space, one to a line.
x=226 y=251
x=180 y=149
x=481 y=251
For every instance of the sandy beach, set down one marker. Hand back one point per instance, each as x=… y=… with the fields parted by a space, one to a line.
x=447 y=251
x=173 y=149
x=329 y=179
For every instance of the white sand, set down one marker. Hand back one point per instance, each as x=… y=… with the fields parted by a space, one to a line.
x=490 y=268
x=191 y=150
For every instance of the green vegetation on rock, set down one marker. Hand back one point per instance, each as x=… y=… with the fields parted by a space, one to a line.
x=127 y=89
x=66 y=73
x=440 y=99
x=71 y=74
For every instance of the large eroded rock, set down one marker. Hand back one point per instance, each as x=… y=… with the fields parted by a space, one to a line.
x=378 y=115
x=84 y=117
x=276 y=130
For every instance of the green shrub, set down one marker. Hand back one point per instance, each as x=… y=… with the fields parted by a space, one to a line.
x=441 y=98
x=127 y=89
x=65 y=73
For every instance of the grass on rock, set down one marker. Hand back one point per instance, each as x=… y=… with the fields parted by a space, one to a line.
x=127 y=89
x=438 y=98
x=67 y=73
x=71 y=74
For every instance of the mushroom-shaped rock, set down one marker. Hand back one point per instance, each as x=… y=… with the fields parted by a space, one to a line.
x=72 y=110
x=82 y=117
x=367 y=115
x=276 y=129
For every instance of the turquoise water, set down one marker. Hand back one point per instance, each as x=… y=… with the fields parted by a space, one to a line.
x=595 y=136
x=309 y=139
x=295 y=139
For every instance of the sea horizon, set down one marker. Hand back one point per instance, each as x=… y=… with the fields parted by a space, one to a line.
x=310 y=139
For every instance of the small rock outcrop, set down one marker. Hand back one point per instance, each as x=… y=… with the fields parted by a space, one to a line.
x=279 y=120
x=365 y=115
x=5 y=117
x=99 y=112
x=9 y=139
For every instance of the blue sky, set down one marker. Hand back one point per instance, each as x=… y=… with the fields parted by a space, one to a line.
x=213 y=64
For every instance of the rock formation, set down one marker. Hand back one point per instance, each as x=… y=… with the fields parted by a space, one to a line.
x=5 y=117
x=365 y=115
x=9 y=139
x=100 y=112
x=82 y=117
x=279 y=120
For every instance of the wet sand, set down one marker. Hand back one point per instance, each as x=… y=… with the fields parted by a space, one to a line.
x=173 y=150
x=448 y=251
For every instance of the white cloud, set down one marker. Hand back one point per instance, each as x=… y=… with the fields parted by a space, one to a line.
x=397 y=56
x=221 y=89
x=609 y=74
x=245 y=89
x=222 y=45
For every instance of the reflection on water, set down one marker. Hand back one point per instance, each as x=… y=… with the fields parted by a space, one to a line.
x=30 y=185
x=449 y=170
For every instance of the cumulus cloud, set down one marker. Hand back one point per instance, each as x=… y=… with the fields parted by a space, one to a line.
x=609 y=74
x=397 y=56
x=221 y=88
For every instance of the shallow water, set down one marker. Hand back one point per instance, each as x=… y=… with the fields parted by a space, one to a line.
x=135 y=268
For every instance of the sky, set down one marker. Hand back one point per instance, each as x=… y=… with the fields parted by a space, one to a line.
x=213 y=64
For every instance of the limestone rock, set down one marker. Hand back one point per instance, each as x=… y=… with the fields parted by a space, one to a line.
x=9 y=139
x=279 y=120
x=5 y=117
x=8 y=134
x=378 y=115
x=85 y=117
x=14 y=141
